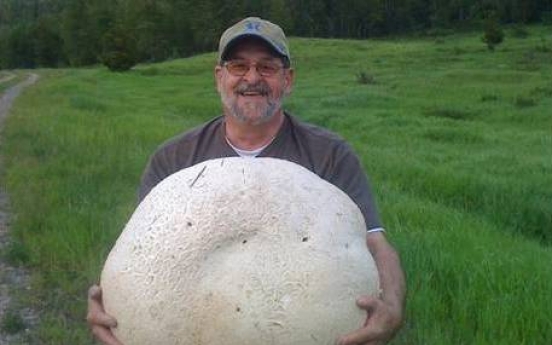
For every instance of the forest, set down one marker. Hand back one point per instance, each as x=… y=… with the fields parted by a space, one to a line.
x=60 y=33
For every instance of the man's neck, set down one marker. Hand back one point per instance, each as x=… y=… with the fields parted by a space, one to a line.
x=248 y=136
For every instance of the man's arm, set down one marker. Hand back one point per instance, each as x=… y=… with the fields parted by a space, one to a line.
x=385 y=314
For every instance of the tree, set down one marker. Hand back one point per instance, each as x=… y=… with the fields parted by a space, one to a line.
x=48 y=46
x=79 y=42
x=119 y=50
x=493 y=35
x=278 y=13
x=19 y=47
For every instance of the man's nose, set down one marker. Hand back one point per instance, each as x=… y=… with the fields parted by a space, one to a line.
x=252 y=74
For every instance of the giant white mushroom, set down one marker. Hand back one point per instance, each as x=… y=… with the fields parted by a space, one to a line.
x=238 y=251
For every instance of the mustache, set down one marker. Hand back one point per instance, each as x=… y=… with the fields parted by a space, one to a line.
x=260 y=87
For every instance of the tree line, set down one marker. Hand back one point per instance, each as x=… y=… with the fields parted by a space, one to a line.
x=54 y=33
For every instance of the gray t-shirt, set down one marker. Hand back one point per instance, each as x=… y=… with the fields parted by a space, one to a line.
x=312 y=147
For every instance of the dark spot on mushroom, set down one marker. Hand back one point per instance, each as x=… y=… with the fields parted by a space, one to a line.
x=244 y=241
x=347 y=245
x=189 y=224
x=238 y=309
x=305 y=239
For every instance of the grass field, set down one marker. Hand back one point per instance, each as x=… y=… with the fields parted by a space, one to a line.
x=457 y=141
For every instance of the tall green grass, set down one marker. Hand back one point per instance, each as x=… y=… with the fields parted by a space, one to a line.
x=457 y=142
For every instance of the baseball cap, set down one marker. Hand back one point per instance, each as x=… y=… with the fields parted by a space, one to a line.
x=255 y=27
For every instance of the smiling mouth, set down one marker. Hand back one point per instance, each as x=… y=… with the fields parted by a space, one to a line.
x=252 y=94
x=255 y=90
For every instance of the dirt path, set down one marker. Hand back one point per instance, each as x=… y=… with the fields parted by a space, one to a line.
x=11 y=93
x=12 y=278
x=5 y=77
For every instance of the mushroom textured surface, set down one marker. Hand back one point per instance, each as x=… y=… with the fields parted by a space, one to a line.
x=240 y=251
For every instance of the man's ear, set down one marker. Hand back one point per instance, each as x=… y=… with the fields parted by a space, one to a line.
x=218 y=77
x=289 y=79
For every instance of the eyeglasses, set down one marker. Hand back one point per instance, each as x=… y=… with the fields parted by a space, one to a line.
x=239 y=68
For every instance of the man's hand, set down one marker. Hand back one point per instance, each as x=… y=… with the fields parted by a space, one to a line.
x=385 y=314
x=100 y=323
x=382 y=322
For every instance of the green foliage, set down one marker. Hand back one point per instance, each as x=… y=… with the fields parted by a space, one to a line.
x=59 y=32
x=16 y=48
x=365 y=78
x=80 y=41
x=525 y=102
x=119 y=50
x=48 y=44
x=519 y=31
x=546 y=17
x=450 y=113
x=543 y=46
x=16 y=253
x=493 y=35
x=12 y=322
x=489 y=98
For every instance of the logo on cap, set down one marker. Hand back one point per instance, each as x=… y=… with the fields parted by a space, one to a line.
x=250 y=26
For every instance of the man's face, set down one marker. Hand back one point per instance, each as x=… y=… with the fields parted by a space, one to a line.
x=252 y=97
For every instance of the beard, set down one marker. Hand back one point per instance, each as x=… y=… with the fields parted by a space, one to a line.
x=253 y=111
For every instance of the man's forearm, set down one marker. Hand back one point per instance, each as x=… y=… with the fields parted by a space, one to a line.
x=392 y=279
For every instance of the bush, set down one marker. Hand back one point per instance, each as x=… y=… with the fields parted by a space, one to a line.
x=525 y=102
x=520 y=31
x=16 y=253
x=458 y=51
x=118 y=61
x=489 y=98
x=450 y=113
x=543 y=47
x=119 y=51
x=365 y=78
x=546 y=17
x=493 y=35
x=12 y=323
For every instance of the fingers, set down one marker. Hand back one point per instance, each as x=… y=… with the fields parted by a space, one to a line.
x=362 y=336
x=96 y=314
x=100 y=318
x=368 y=303
x=95 y=291
x=100 y=323
x=384 y=316
x=105 y=336
x=365 y=335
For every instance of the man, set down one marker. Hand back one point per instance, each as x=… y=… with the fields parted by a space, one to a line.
x=253 y=76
